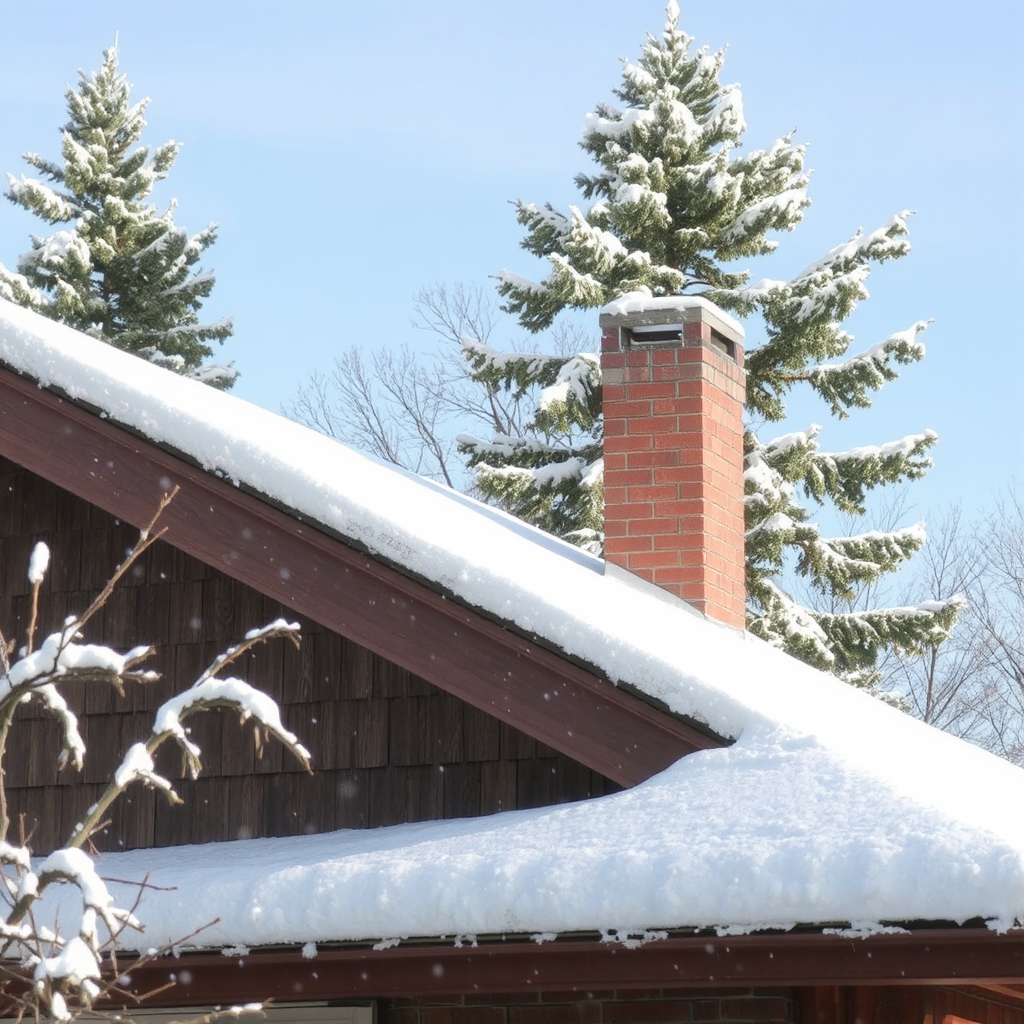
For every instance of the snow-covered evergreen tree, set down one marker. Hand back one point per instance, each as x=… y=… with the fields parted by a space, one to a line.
x=550 y=474
x=673 y=202
x=117 y=270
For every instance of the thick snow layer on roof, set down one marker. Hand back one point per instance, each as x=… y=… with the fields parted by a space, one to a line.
x=774 y=831
x=829 y=807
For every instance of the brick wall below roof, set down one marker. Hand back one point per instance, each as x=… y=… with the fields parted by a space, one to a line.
x=860 y=1004
x=657 y=1006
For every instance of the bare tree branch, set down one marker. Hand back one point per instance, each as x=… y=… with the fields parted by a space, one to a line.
x=973 y=684
x=406 y=406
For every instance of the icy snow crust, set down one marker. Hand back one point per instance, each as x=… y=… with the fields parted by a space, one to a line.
x=829 y=808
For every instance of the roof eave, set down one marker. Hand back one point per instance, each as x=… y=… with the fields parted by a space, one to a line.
x=933 y=956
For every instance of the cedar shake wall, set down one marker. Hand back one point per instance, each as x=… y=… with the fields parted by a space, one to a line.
x=387 y=746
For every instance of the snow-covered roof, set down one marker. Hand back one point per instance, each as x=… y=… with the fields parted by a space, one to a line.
x=830 y=806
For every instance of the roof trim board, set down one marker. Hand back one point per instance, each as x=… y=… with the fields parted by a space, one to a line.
x=933 y=956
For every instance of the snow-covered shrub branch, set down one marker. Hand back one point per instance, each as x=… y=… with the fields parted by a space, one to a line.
x=62 y=969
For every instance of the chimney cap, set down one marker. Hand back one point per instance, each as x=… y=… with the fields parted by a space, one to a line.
x=638 y=309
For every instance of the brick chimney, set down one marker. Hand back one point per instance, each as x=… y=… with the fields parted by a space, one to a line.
x=674 y=389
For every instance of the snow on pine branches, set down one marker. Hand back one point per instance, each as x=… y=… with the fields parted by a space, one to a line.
x=673 y=201
x=550 y=473
x=59 y=970
x=119 y=270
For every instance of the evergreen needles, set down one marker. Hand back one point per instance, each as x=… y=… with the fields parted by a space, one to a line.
x=672 y=204
x=115 y=268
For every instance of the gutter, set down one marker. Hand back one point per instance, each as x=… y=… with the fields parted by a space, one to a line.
x=930 y=956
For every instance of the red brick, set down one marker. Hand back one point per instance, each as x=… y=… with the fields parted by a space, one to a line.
x=690 y=439
x=684 y=474
x=678 y=406
x=650 y=492
x=632 y=510
x=629 y=443
x=755 y=1008
x=614 y=528
x=692 y=556
x=707 y=1010
x=399 y=1016
x=651 y=389
x=678 y=508
x=669 y=1011
x=464 y=1015
x=633 y=477
x=676 y=578
x=653 y=560
x=649 y=527
x=577 y=994
x=653 y=425
x=660 y=356
x=622 y=546
x=574 y=1013
x=632 y=407
x=502 y=999
x=685 y=489
x=661 y=458
x=667 y=373
x=695 y=422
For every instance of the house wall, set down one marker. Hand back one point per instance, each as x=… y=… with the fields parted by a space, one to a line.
x=865 y=1004
x=908 y=1004
x=387 y=746
x=665 y=1006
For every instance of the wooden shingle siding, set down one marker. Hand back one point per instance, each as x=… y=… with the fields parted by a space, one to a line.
x=387 y=746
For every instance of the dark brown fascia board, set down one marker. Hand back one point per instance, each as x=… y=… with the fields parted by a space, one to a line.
x=952 y=956
x=452 y=646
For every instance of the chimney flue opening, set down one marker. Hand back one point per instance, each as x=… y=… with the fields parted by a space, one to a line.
x=672 y=334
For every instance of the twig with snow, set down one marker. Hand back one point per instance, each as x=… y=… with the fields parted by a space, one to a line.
x=53 y=974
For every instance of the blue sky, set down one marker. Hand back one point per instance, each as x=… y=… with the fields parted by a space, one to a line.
x=353 y=153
